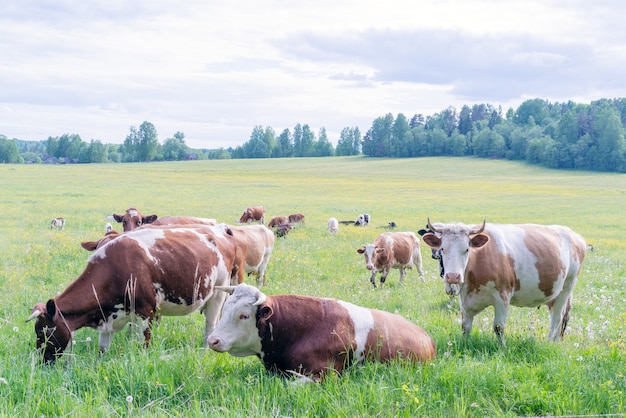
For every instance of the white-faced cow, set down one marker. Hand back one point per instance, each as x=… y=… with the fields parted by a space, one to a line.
x=254 y=244
x=399 y=250
x=172 y=271
x=278 y=220
x=500 y=265
x=133 y=219
x=57 y=223
x=333 y=226
x=362 y=220
x=253 y=214
x=310 y=337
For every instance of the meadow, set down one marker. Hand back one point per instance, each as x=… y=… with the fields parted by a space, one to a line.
x=584 y=374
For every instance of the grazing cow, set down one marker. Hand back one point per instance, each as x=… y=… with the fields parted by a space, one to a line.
x=310 y=337
x=296 y=218
x=362 y=220
x=278 y=220
x=400 y=250
x=254 y=245
x=253 y=214
x=133 y=219
x=500 y=265
x=57 y=223
x=283 y=229
x=333 y=226
x=170 y=271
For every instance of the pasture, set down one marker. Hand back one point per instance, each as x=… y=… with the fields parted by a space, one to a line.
x=584 y=374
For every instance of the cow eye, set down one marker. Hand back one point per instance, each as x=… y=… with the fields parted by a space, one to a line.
x=244 y=316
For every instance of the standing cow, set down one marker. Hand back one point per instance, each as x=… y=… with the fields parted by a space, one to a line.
x=57 y=223
x=254 y=244
x=169 y=271
x=133 y=219
x=399 y=250
x=309 y=336
x=362 y=220
x=277 y=221
x=500 y=265
x=253 y=214
x=296 y=218
x=333 y=226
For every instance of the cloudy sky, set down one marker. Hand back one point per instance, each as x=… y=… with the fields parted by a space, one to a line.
x=215 y=70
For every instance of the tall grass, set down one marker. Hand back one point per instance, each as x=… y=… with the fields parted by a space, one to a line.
x=175 y=376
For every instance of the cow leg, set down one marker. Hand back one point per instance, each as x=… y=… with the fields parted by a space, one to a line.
x=417 y=260
x=104 y=340
x=373 y=278
x=212 y=310
x=559 y=316
x=402 y=273
x=501 y=308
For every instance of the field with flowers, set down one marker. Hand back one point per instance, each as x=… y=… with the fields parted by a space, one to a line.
x=583 y=375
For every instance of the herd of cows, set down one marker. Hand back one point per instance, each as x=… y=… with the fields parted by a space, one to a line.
x=178 y=265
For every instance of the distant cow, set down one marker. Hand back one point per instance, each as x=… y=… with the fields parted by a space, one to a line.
x=253 y=214
x=278 y=220
x=108 y=227
x=133 y=219
x=255 y=244
x=390 y=225
x=399 y=250
x=172 y=271
x=311 y=337
x=57 y=223
x=333 y=226
x=295 y=218
x=283 y=229
x=499 y=265
x=362 y=220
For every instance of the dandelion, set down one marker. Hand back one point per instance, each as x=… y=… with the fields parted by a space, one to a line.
x=580 y=358
x=575 y=345
x=15 y=329
x=88 y=339
x=129 y=399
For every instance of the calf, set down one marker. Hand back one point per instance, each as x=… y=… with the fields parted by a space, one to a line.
x=169 y=271
x=310 y=336
x=333 y=226
x=133 y=219
x=57 y=223
x=399 y=250
x=253 y=214
x=500 y=265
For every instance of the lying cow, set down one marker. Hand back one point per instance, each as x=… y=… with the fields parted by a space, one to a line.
x=253 y=214
x=333 y=226
x=169 y=271
x=310 y=336
x=362 y=220
x=500 y=265
x=399 y=250
x=278 y=220
x=57 y=223
x=133 y=219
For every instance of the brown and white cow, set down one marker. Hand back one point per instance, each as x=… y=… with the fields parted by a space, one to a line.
x=310 y=336
x=57 y=223
x=133 y=219
x=253 y=214
x=254 y=244
x=399 y=250
x=278 y=220
x=499 y=265
x=172 y=271
x=295 y=218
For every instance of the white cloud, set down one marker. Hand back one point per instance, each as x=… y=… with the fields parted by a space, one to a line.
x=215 y=70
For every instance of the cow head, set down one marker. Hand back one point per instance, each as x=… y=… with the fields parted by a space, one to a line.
x=53 y=334
x=371 y=252
x=133 y=219
x=454 y=241
x=237 y=332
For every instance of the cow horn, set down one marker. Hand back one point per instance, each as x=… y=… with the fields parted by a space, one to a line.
x=227 y=289
x=260 y=299
x=432 y=228
x=35 y=314
x=479 y=230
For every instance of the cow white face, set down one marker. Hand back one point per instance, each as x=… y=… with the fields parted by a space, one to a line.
x=369 y=251
x=237 y=332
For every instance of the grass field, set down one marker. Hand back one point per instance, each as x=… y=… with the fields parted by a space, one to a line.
x=583 y=375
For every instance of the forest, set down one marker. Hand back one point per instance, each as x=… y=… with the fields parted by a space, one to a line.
x=554 y=135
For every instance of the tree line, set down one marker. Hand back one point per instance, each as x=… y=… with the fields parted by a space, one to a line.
x=555 y=135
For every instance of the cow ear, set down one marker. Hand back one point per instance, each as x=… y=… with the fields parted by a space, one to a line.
x=89 y=245
x=149 y=219
x=118 y=218
x=266 y=312
x=479 y=240
x=51 y=308
x=432 y=240
x=361 y=250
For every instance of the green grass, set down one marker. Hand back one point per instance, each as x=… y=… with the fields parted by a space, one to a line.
x=582 y=375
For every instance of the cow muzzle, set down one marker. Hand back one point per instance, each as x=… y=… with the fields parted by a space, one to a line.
x=452 y=278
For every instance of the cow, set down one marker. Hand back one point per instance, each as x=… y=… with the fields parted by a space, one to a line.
x=399 y=250
x=57 y=223
x=310 y=336
x=333 y=226
x=133 y=219
x=253 y=214
x=283 y=229
x=278 y=220
x=295 y=218
x=169 y=271
x=362 y=220
x=499 y=265
x=254 y=244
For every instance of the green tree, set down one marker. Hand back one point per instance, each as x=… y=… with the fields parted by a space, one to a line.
x=175 y=148
x=148 y=142
x=323 y=147
x=284 y=147
x=9 y=153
